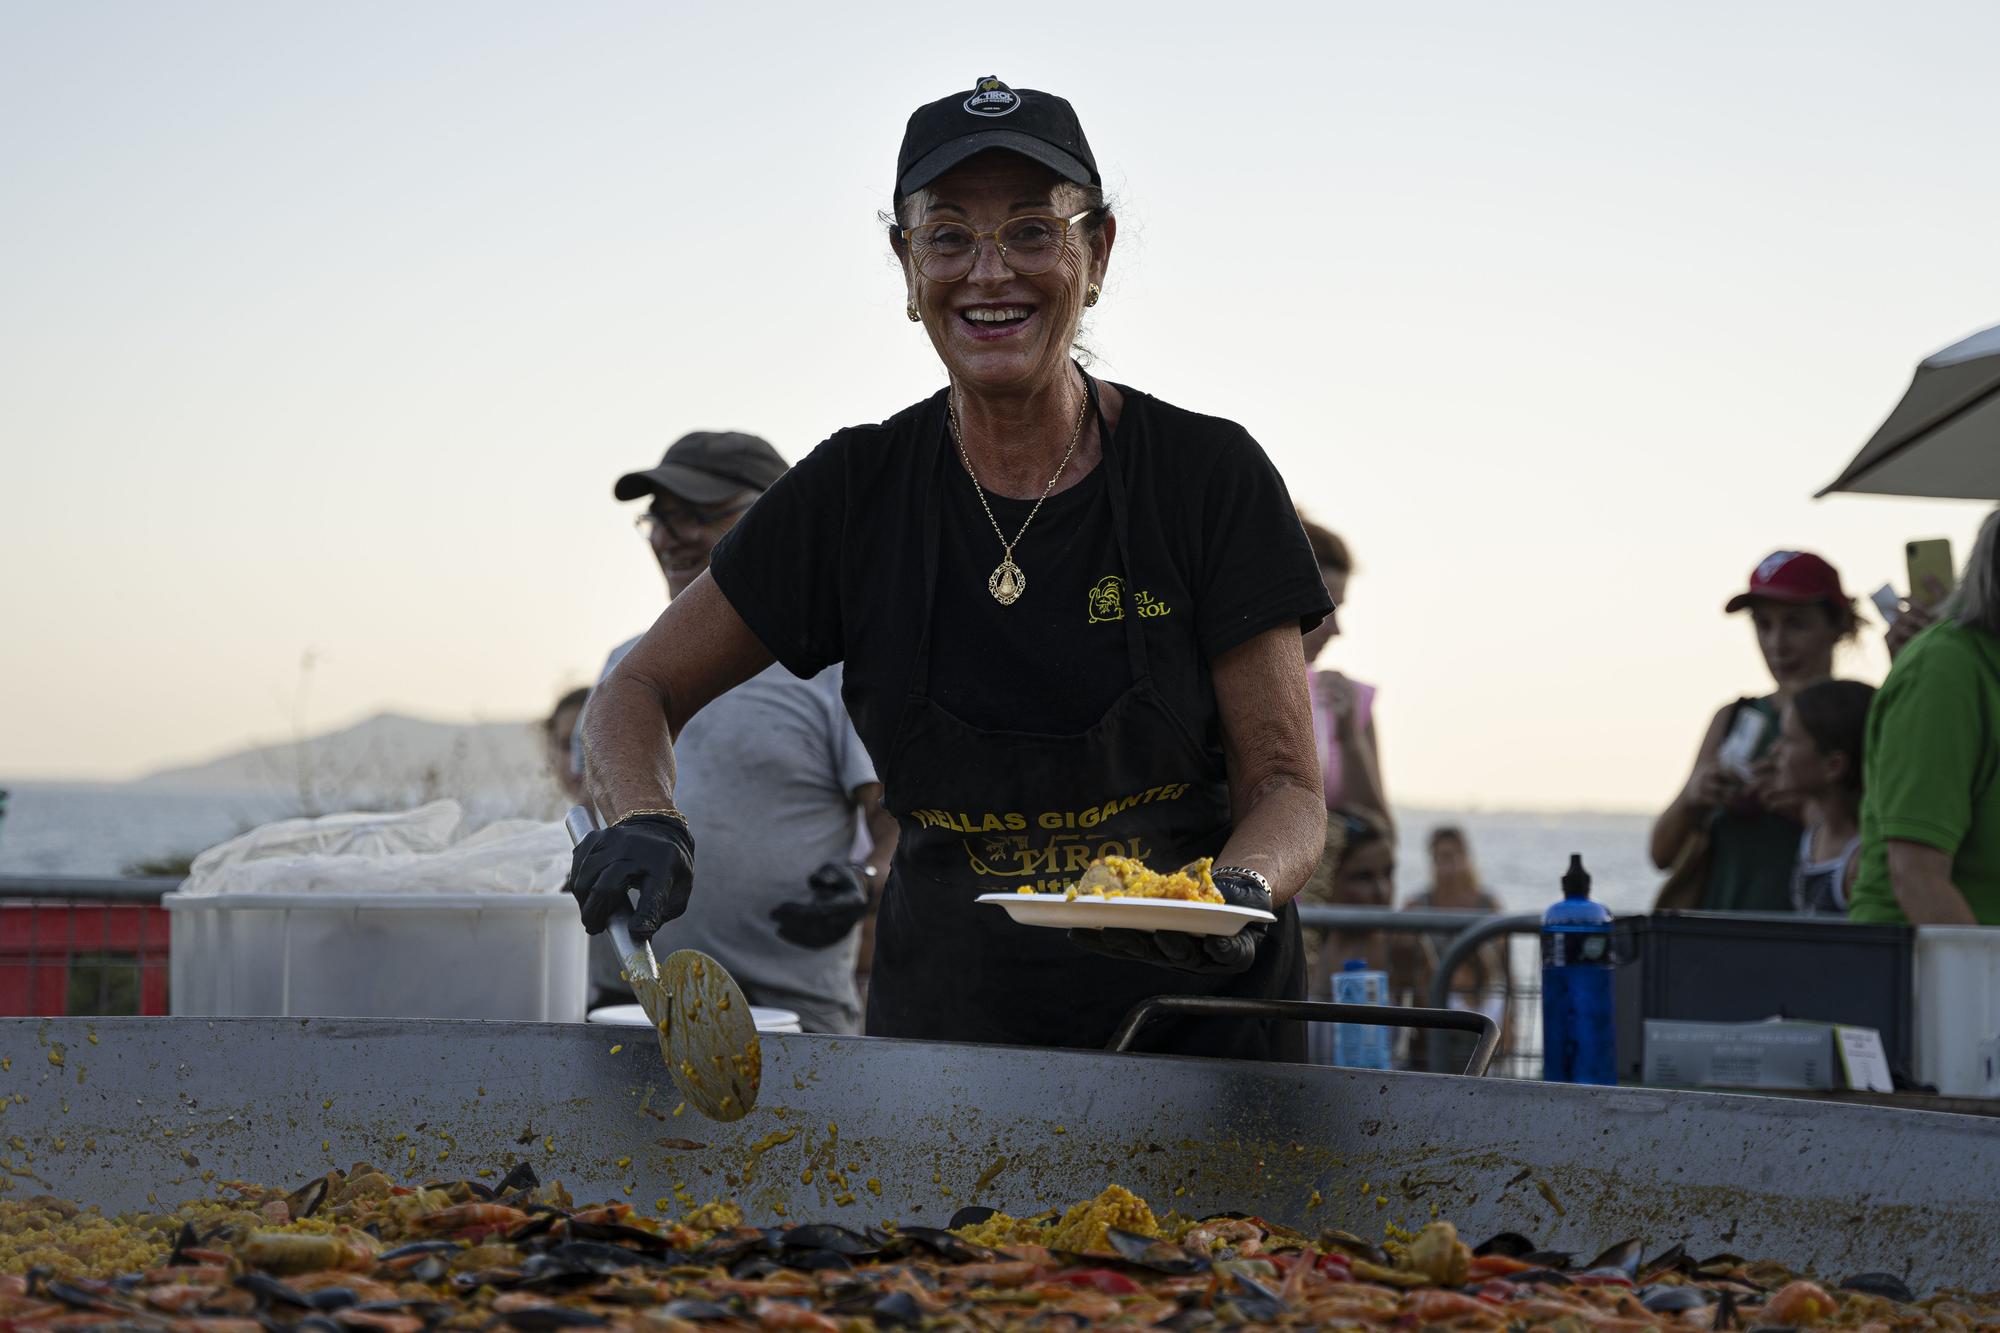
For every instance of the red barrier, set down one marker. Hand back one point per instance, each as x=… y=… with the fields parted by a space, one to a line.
x=68 y=958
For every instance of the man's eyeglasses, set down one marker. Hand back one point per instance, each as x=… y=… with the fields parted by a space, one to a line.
x=1030 y=245
x=655 y=524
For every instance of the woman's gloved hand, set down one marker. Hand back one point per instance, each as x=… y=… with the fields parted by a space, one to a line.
x=651 y=853
x=1191 y=953
x=838 y=903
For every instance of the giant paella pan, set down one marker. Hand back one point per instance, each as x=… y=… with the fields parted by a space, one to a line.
x=346 y=1174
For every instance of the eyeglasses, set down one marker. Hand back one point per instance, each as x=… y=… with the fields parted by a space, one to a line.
x=654 y=524
x=1030 y=244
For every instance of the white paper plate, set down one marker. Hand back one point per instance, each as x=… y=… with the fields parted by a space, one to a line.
x=631 y=1015
x=1092 y=912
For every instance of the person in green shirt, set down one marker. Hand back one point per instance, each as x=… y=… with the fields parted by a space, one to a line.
x=1930 y=818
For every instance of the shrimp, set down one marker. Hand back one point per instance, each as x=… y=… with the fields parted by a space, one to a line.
x=178 y=1297
x=1210 y=1236
x=1011 y=1274
x=1438 y=1307
x=778 y=1315
x=364 y=1288
x=209 y=1273
x=379 y=1321
x=470 y=1221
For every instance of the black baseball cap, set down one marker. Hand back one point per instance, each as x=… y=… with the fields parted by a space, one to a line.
x=705 y=466
x=1038 y=125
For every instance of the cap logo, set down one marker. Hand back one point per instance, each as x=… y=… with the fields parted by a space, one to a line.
x=990 y=97
x=1774 y=562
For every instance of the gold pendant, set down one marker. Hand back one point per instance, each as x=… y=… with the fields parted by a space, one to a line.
x=1007 y=583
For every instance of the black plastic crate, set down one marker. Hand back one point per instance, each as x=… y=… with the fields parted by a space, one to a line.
x=1738 y=967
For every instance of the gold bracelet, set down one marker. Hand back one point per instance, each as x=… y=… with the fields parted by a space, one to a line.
x=670 y=813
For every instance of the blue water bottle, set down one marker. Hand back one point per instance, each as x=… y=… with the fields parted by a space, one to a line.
x=1360 y=1045
x=1579 y=1044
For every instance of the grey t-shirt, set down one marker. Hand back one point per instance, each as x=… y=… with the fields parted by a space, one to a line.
x=766 y=775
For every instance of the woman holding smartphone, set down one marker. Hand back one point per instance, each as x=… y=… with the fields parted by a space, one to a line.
x=1729 y=837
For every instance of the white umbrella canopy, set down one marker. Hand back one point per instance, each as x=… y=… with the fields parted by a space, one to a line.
x=1943 y=439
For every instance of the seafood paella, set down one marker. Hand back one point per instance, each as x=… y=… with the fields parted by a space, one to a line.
x=353 y=1250
x=1124 y=877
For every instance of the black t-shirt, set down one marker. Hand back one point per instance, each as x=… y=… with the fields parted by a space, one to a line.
x=828 y=567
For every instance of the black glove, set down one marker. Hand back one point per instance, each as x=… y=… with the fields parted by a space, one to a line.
x=1190 y=953
x=838 y=903
x=651 y=853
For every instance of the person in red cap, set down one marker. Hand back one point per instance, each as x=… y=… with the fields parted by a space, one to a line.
x=1728 y=839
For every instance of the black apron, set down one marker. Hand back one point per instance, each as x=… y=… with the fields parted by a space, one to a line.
x=991 y=811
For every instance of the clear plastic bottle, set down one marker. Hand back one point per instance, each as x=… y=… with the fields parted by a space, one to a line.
x=1360 y=1045
x=1579 y=1042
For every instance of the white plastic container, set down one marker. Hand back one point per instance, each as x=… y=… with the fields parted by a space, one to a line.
x=373 y=955
x=1957 y=1009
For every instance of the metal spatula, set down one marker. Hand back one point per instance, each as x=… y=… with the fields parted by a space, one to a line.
x=707 y=1036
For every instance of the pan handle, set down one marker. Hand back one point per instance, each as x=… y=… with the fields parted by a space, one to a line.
x=1314 y=1011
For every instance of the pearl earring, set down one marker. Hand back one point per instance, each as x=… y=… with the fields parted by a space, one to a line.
x=910 y=309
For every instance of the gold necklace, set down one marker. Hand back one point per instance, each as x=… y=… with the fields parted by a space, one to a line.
x=1007 y=582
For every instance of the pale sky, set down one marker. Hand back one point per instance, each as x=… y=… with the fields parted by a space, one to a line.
x=328 y=327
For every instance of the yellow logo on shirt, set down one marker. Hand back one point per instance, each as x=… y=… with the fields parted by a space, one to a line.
x=1107 y=602
x=1107 y=599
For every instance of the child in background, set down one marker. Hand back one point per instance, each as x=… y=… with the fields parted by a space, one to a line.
x=1484 y=983
x=1358 y=869
x=1818 y=763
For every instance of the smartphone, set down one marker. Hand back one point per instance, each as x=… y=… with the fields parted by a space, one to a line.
x=1929 y=560
x=1739 y=748
x=1890 y=605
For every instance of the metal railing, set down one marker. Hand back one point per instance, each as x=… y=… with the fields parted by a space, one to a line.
x=1465 y=933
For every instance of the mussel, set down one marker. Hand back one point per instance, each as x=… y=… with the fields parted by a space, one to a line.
x=1886 y=1285
x=826 y=1236
x=897 y=1308
x=618 y=1233
x=1622 y=1257
x=1507 y=1245
x=578 y=1258
x=1252 y=1298
x=268 y=1289
x=1674 y=1299
x=417 y=1247
x=1354 y=1247
x=307 y=1198
x=955 y=1248
x=695 y=1310
x=729 y=1246
x=328 y=1299
x=1158 y=1255
x=546 y=1318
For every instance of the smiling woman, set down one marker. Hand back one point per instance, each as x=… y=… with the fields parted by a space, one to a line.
x=1070 y=618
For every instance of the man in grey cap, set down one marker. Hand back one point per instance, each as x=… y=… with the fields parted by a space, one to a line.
x=772 y=773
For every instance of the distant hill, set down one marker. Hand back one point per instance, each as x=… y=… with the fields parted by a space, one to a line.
x=385 y=760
